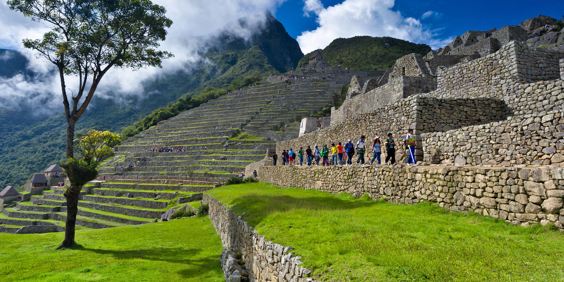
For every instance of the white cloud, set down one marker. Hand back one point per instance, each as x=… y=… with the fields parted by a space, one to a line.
x=314 y=6
x=364 y=17
x=193 y=19
x=430 y=14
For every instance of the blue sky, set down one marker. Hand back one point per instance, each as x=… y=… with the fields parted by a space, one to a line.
x=447 y=18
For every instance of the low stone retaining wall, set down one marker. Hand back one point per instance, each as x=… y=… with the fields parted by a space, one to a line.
x=265 y=261
x=516 y=195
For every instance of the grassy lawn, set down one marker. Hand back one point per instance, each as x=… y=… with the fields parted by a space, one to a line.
x=179 y=250
x=342 y=238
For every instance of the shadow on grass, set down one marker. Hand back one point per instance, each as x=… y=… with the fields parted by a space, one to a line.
x=197 y=267
x=258 y=207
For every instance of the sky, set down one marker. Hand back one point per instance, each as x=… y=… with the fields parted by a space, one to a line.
x=313 y=23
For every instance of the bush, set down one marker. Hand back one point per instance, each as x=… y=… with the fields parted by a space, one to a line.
x=251 y=180
x=203 y=210
x=182 y=213
x=234 y=180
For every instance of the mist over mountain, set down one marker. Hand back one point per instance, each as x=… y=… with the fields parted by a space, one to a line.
x=30 y=142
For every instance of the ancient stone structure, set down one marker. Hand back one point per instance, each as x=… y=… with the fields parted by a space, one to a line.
x=264 y=260
x=9 y=195
x=516 y=195
x=517 y=91
x=311 y=124
x=315 y=57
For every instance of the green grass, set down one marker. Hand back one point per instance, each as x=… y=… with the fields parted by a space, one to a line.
x=156 y=184
x=179 y=250
x=243 y=136
x=115 y=214
x=342 y=238
x=195 y=204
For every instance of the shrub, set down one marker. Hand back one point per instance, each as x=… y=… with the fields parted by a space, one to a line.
x=251 y=180
x=234 y=180
x=203 y=210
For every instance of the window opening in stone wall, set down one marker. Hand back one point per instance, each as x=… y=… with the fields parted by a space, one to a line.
x=403 y=71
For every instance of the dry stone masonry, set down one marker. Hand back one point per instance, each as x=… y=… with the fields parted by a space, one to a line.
x=520 y=196
x=264 y=260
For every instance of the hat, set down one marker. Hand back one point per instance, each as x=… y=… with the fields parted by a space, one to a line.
x=377 y=137
x=349 y=140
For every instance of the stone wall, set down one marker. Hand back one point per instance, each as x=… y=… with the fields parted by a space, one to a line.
x=529 y=139
x=562 y=68
x=311 y=124
x=517 y=195
x=409 y=65
x=393 y=118
x=396 y=89
x=265 y=260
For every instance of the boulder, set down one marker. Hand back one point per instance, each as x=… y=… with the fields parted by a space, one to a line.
x=552 y=205
x=166 y=216
x=459 y=161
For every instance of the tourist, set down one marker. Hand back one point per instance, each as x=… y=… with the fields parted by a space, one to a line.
x=301 y=155
x=286 y=157
x=390 y=149
x=274 y=158
x=291 y=155
x=325 y=155
x=376 y=150
x=283 y=156
x=360 y=146
x=317 y=155
x=349 y=149
x=340 y=151
x=410 y=142
x=309 y=155
x=255 y=175
x=333 y=154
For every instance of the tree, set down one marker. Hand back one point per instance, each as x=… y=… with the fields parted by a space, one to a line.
x=93 y=147
x=87 y=39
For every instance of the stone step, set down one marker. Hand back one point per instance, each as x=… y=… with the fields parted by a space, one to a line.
x=135 y=202
x=14 y=213
x=28 y=206
x=54 y=196
x=112 y=217
x=113 y=192
x=89 y=222
x=141 y=176
x=157 y=187
x=4 y=228
x=39 y=200
x=125 y=210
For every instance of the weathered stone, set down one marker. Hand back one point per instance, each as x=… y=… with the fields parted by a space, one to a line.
x=552 y=205
x=532 y=208
x=534 y=188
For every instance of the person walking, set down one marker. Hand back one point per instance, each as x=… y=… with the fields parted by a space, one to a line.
x=333 y=154
x=349 y=149
x=274 y=158
x=283 y=155
x=390 y=149
x=325 y=155
x=317 y=155
x=309 y=155
x=340 y=151
x=376 y=150
x=301 y=155
x=360 y=147
x=411 y=142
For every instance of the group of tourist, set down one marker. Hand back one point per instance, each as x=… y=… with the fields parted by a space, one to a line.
x=344 y=154
x=174 y=149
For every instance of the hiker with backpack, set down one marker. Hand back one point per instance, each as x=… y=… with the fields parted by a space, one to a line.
x=274 y=158
x=349 y=149
x=410 y=143
x=360 y=147
x=291 y=156
x=317 y=155
x=391 y=149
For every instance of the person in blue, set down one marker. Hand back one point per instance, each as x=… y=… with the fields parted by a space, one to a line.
x=411 y=143
x=349 y=149
x=376 y=150
x=317 y=155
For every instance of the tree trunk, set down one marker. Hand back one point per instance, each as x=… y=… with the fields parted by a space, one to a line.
x=70 y=138
x=72 y=195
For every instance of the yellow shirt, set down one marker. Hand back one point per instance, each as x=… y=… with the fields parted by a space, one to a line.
x=333 y=150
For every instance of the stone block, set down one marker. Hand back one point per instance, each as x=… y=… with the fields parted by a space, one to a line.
x=488 y=202
x=534 y=188
x=552 y=205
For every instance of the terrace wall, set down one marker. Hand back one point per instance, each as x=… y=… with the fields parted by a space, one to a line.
x=517 y=195
x=265 y=260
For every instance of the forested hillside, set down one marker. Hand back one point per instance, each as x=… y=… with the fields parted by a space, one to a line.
x=367 y=53
x=30 y=143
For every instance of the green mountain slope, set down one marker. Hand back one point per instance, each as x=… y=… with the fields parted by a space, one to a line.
x=367 y=53
x=29 y=143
